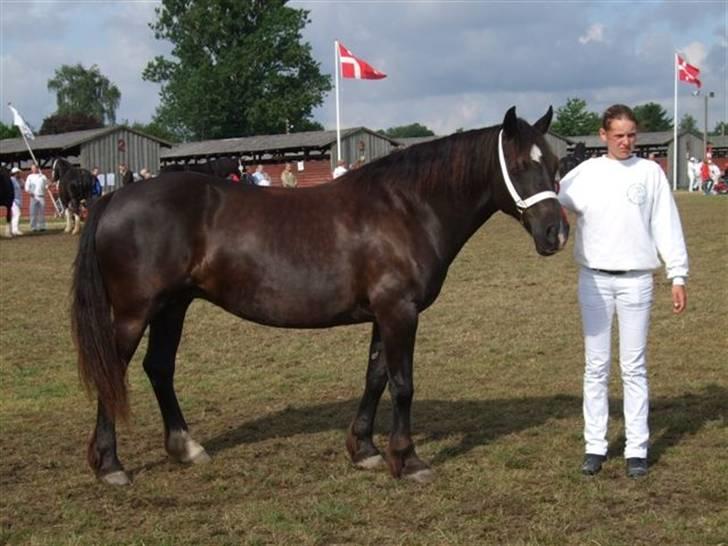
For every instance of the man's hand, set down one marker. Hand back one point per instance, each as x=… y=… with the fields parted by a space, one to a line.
x=679 y=298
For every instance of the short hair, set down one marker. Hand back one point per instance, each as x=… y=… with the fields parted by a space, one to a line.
x=617 y=111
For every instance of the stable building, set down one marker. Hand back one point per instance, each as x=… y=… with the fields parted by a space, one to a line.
x=313 y=154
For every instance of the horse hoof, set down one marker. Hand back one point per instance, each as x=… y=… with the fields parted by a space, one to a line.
x=201 y=458
x=426 y=475
x=185 y=450
x=117 y=477
x=370 y=463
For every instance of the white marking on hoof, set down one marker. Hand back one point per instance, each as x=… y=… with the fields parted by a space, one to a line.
x=117 y=477
x=182 y=448
x=425 y=475
x=369 y=463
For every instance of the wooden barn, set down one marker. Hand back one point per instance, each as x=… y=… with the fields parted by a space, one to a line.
x=104 y=148
x=313 y=154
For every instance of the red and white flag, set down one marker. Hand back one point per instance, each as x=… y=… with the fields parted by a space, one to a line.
x=687 y=73
x=353 y=67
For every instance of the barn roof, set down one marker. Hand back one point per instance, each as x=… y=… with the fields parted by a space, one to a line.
x=263 y=144
x=12 y=149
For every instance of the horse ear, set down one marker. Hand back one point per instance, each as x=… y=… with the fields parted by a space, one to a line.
x=510 y=122
x=545 y=122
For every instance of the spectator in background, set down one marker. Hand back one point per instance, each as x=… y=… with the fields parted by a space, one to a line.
x=126 y=176
x=97 y=189
x=36 y=184
x=145 y=174
x=340 y=168
x=288 y=179
x=17 y=202
x=693 y=174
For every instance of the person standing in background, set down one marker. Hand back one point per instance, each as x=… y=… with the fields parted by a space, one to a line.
x=288 y=179
x=36 y=184
x=17 y=202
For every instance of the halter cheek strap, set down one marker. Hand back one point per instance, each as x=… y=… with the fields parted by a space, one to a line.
x=521 y=204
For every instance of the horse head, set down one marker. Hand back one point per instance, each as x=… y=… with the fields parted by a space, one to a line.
x=528 y=170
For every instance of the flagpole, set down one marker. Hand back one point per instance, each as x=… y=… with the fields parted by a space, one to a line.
x=338 y=113
x=674 y=126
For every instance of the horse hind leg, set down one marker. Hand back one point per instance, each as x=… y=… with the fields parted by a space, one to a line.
x=165 y=331
x=102 y=452
x=359 y=443
x=76 y=224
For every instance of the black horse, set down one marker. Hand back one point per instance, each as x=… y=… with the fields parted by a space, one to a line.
x=575 y=158
x=221 y=167
x=7 y=195
x=75 y=185
x=372 y=246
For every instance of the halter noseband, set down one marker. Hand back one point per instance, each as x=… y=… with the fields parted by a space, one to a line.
x=521 y=204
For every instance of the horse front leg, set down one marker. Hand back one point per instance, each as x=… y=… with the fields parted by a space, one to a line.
x=398 y=329
x=359 y=442
x=68 y=220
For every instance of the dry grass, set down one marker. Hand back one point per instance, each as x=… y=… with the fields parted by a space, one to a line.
x=497 y=411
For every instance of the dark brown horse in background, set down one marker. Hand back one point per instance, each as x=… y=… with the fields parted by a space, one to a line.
x=75 y=187
x=373 y=246
x=7 y=196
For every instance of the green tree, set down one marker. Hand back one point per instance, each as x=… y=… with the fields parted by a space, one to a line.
x=8 y=131
x=721 y=128
x=239 y=68
x=406 y=131
x=87 y=91
x=573 y=119
x=688 y=123
x=157 y=130
x=72 y=121
x=652 y=117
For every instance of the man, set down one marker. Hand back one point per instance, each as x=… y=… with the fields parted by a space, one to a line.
x=36 y=184
x=288 y=179
x=17 y=202
x=340 y=169
x=625 y=216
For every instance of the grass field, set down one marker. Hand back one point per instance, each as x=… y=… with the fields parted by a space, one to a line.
x=497 y=411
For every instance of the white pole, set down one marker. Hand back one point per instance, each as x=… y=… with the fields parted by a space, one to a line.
x=338 y=114
x=674 y=126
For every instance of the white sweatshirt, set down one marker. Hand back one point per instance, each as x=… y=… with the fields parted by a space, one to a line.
x=625 y=216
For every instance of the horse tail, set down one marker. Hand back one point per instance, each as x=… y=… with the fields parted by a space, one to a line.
x=100 y=367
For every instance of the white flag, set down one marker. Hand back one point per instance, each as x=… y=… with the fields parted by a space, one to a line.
x=20 y=123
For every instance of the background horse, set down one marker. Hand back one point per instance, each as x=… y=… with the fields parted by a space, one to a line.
x=571 y=161
x=372 y=246
x=221 y=167
x=74 y=186
x=7 y=195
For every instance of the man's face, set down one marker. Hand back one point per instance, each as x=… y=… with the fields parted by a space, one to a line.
x=620 y=138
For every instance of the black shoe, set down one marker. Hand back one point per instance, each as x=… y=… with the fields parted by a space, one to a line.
x=592 y=464
x=636 y=467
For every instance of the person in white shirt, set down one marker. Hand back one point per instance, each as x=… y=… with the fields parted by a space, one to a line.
x=17 y=202
x=36 y=184
x=340 y=168
x=260 y=177
x=625 y=216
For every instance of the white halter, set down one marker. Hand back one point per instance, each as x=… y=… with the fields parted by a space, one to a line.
x=521 y=204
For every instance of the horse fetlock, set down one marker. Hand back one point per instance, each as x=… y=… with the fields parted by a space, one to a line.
x=183 y=449
x=117 y=477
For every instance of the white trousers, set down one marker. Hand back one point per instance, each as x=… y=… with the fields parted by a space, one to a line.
x=15 y=219
x=600 y=294
x=37 y=213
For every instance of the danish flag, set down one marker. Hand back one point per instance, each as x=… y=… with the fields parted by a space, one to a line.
x=687 y=73
x=353 y=67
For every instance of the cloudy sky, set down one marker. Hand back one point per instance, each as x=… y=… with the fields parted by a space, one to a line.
x=450 y=64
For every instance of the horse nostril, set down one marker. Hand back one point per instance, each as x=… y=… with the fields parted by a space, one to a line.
x=552 y=233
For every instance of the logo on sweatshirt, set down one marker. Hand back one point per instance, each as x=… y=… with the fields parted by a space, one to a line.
x=637 y=193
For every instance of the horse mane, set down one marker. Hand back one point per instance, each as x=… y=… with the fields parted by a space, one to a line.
x=455 y=163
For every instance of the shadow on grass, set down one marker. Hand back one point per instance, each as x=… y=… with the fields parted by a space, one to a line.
x=479 y=422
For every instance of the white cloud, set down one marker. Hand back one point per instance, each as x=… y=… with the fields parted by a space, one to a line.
x=595 y=33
